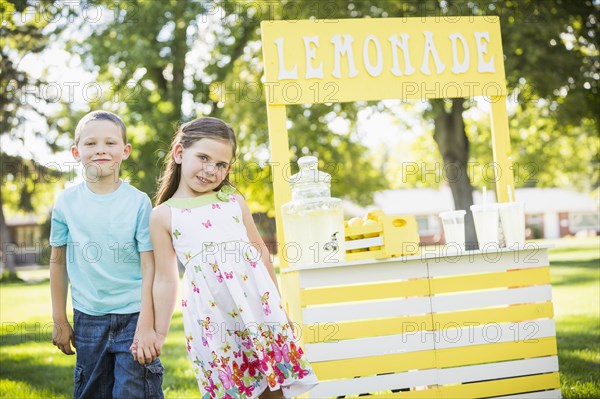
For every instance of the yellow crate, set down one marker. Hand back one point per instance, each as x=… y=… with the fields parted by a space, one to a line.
x=389 y=236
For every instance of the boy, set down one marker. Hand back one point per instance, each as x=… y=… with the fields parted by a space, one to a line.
x=101 y=245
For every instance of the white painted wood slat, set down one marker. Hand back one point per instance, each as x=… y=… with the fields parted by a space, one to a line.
x=491 y=333
x=550 y=394
x=499 y=370
x=428 y=340
x=482 y=299
x=372 y=346
x=366 y=310
x=490 y=371
x=374 y=383
x=487 y=262
x=363 y=274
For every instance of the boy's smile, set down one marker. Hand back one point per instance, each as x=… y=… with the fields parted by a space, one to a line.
x=101 y=150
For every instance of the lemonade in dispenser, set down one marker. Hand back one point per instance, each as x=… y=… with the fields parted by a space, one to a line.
x=313 y=221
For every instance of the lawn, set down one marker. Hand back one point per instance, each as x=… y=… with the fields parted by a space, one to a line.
x=30 y=367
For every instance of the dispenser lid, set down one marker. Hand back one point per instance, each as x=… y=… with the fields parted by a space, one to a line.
x=309 y=173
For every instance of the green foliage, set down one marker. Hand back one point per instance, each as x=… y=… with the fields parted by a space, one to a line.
x=153 y=58
x=27 y=29
x=164 y=63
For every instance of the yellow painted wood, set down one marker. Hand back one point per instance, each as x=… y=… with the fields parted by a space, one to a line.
x=501 y=387
x=280 y=158
x=512 y=278
x=365 y=292
x=506 y=314
x=482 y=389
x=441 y=358
x=364 y=255
x=501 y=149
x=429 y=393
x=383 y=84
x=290 y=283
x=353 y=231
x=349 y=368
x=477 y=354
x=328 y=332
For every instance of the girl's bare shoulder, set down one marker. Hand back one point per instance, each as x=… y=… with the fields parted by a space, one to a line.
x=161 y=215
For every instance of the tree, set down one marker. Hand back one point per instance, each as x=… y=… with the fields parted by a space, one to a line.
x=180 y=59
x=558 y=33
x=159 y=49
x=27 y=29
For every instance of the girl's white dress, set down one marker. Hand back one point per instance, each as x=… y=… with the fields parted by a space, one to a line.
x=238 y=336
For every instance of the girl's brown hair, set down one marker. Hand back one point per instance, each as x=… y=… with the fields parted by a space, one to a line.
x=187 y=135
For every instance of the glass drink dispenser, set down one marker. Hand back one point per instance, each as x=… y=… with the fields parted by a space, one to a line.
x=313 y=221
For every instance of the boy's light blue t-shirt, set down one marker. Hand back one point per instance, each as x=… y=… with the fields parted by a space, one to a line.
x=104 y=235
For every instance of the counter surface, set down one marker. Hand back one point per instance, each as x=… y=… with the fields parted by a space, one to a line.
x=426 y=254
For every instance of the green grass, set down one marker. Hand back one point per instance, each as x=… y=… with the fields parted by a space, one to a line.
x=31 y=367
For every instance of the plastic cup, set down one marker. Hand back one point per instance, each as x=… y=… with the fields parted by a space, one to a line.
x=454 y=228
x=512 y=217
x=487 y=222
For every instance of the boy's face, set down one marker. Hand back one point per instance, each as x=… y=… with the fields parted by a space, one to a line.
x=101 y=150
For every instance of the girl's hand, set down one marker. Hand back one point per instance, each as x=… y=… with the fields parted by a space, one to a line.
x=63 y=337
x=146 y=346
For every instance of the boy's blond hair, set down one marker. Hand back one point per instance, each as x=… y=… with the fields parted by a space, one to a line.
x=100 y=116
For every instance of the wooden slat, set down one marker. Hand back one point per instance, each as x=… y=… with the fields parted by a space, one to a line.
x=501 y=387
x=349 y=368
x=498 y=370
x=366 y=310
x=324 y=332
x=505 y=314
x=374 y=272
x=525 y=277
x=529 y=331
x=450 y=379
x=372 y=346
x=364 y=243
x=363 y=255
x=490 y=388
x=364 y=292
x=441 y=358
x=495 y=352
x=552 y=394
x=511 y=296
x=488 y=263
x=431 y=392
x=374 y=383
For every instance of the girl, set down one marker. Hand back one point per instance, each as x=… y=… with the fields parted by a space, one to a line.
x=238 y=336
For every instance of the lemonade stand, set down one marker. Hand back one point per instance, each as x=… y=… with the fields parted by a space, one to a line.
x=396 y=322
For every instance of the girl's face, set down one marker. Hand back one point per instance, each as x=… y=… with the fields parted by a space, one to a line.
x=204 y=165
x=101 y=150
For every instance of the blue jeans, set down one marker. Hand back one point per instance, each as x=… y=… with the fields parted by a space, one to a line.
x=105 y=367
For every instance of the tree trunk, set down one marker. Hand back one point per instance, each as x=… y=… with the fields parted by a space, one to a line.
x=8 y=256
x=451 y=138
x=180 y=49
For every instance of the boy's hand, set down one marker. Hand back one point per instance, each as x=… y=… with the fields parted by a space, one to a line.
x=63 y=337
x=146 y=346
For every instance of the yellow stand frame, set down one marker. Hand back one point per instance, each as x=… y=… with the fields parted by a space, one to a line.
x=326 y=61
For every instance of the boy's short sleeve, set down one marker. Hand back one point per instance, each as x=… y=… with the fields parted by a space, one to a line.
x=59 y=230
x=142 y=234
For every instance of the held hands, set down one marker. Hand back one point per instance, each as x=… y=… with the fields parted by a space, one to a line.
x=146 y=345
x=63 y=337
